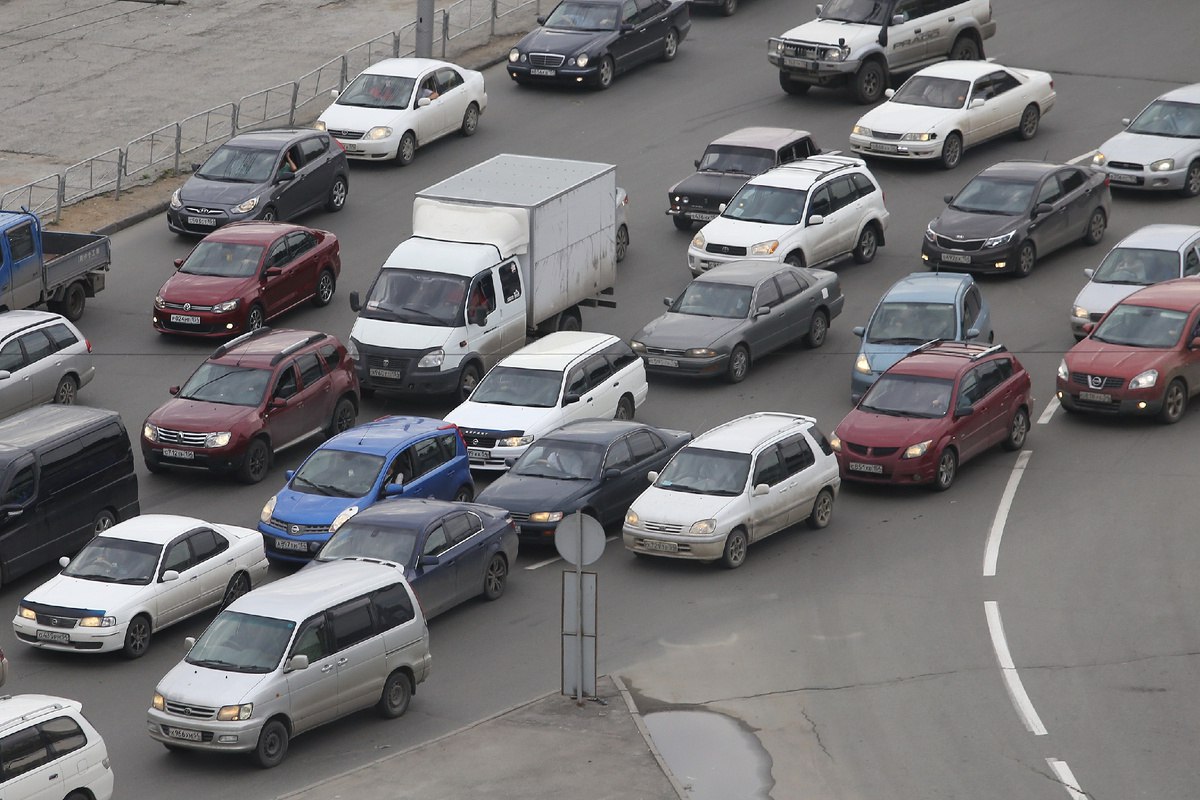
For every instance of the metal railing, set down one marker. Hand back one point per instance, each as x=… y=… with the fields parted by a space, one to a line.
x=464 y=24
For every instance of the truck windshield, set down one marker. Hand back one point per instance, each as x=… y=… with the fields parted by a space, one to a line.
x=223 y=260
x=742 y=160
x=221 y=383
x=237 y=642
x=418 y=298
x=869 y=11
x=509 y=386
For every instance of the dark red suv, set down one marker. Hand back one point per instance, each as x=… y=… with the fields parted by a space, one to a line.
x=934 y=409
x=254 y=396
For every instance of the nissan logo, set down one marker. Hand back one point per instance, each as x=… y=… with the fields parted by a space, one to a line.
x=294 y=528
x=1096 y=381
x=474 y=441
x=54 y=621
x=386 y=362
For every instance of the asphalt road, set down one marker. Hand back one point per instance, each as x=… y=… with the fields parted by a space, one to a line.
x=879 y=622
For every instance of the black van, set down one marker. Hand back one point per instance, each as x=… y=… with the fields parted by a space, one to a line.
x=66 y=474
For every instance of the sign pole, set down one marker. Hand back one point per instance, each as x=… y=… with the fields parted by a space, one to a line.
x=579 y=621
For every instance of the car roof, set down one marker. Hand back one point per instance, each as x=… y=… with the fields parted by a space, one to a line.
x=741 y=273
x=20 y=319
x=745 y=434
x=15 y=709
x=803 y=174
x=383 y=435
x=1160 y=236
x=1184 y=94
x=558 y=350
x=298 y=596
x=944 y=359
x=760 y=136
x=273 y=138
x=1029 y=170
x=408 y=512
x=266 y=347
x=406 y=67
x=35 y=425
x=1179 y=294
x=254 y=232
x=964 y=70
x=595 y=431
x=155 y=528
x=928 y=287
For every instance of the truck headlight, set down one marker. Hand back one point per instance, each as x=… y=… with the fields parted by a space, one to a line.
x=150 y=432
x=703 y=528
x=917 y=450
x=158 y=703
x=267 y=510
x=1063 y=373
x=764 y=248
x=246 y=207
x=1079 y=312
x=835 y=54
x=515 y=441
x=918 y=137
x=378 y=132
x=545 y=516
x=341 y=518
x=434 y=358
x=233 y=713
x=1144 y=380
x=996 y=241
x=861 y=364
x=352 y=349
x=582 y=59
x=218 y=439
x=1162 y=165
x=175 y=201
x=227 y=306
x=97 y=622
x=862 y=130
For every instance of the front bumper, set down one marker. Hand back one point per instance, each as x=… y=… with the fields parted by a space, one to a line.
x=190 y=322
x=1123 y=401
x=493 y=459
x=227 y=459
x=906 y=151
x=295 y=548
x=180 y=220
x=994 y=259
x=215 y=735
x=1144 y=179
x=701 y=261
x=808 y=70
x=371 y=149
x=887 y=469
x=686 y=366
x=82 y=640
x=563 y=74
x=700 y=214
x=674 y=545
x=395 y=372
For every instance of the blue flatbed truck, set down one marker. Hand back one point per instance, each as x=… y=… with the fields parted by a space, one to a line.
x=54 y=269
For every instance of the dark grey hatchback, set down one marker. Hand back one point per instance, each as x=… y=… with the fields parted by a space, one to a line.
x=267 y=175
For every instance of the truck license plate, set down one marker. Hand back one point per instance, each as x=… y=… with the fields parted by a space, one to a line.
x=185 y=319
x=481 y=455
x=186 y=735
x=52 y=636
x=288 y=544
x=662 y=547
x=186 y=455
x=1095 y=397
x=858 y=466
x=654 y=361
x=549 y=73
x=207 y=222
x=394 y=374
x=951 y=258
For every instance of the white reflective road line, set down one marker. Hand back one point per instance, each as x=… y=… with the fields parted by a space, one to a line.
x=1082 y=158
x=1012 y=681
x=992 y=551
x=1049 y=412
x=549 y=561
x=1067 y=779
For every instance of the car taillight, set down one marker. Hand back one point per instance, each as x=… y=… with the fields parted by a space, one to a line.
x=338 y=142
x=88 y=342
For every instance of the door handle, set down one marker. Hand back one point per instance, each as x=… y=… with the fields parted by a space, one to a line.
x=341 y=662
x=916 y=30
x=53 y=777
x=951 y=19
x=194 y=577
x=326 y=668
x=618 y=383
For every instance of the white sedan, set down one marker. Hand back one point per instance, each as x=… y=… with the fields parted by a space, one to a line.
x=948 y=107
x=399 y=104
x=139 y=576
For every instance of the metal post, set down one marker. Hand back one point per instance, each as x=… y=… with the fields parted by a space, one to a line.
x=292 y=110
x=233 y=120
x=445 y=30
x=424 y=32
x=58 y=196
x=495 y=9
x=178 y=144
x=579 y=624
x=395 y=44
x=121 y=160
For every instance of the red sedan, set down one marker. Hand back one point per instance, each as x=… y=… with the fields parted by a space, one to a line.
x=1143 y=358
x=244 y=274
x=933 y=410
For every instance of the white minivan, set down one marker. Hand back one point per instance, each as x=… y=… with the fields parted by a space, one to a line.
x=48 y=749
x=292 y=655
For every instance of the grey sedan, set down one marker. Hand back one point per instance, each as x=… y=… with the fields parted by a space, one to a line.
x=734 y=314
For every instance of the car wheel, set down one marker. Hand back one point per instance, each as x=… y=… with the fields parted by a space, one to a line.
x=793 y=87
x=681 y=222
x=728 y=7
x=396 y=696
x=822 y=511
x=238 y=585
x=1031 y=117
x=337 y=195
x=1175 y=401
x=467 y=379
x=1191 y=182
x=818 y=328
x=103 y=521
x=255 y=318
x=137 y=637
x=269 y=214
x=569 y=320
x=1097 y=224
x=622 y=242
x=671 y=45
x=71 y=306
x=951 y=150
x=255 y=462
x=604 y=75
x=326 y=284
x=739 y=364
x=869 y=82
x=625 y=409
x=67 y=391
x=344 y=415
x=1026 y=257
x=965 y=49
x=947 y=470
x=407 y=149
x=868 y=244
x=795 y=258
x=734 y=554
x=464 y=494
x=495 y=578
x=1018 y=429
x=272 y=744
x=470 y=122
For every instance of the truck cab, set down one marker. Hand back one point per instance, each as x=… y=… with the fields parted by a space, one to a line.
x=55 y=269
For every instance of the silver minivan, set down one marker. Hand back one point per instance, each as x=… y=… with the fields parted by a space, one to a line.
x=292 y=655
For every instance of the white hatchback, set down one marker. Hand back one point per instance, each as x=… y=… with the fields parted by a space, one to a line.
x=735 y=485
x=561 y=377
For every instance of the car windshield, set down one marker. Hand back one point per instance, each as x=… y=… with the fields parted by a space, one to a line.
x=510 y=386
x=870 y=11
x=223 y=383
x=912 y=323
x=709 y=299
x=363 y=540
x=418 y=298
x=908 y=396
x=223 y=260
x=237 y=642
x=988 y=195
x=742 y=160
x=1141 y=326
x=240 y=164
x=1137 y=266
x=560 y=459
x=769 y=204
x=337 y=473
x=699 y=470
x=926 y=90
x=111 y=560
x=1168 y=118
x=378 y=91
x=574 y=16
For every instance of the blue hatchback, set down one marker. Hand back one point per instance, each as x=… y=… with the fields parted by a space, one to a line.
x=388 y=458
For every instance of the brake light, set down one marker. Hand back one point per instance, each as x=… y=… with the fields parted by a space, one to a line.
x=341 y=146
x=88 y=342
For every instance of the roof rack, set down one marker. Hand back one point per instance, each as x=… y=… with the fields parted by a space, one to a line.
x=245 y=337
x=963 y=346
x=294 y=346
x=987 y=351
x=34 y=714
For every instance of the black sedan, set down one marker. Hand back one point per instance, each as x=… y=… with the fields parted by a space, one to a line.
x=1015 y=212
x=597 y=466
x=450 y=552
x=592 y=41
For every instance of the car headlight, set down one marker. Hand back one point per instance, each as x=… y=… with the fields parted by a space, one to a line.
x=232 y=713
x=861 y=364
x=159 y=302
x=341 y=518
x=267 y=510
x=158 y=703
x=1162 y=165
x=862 y=130
x=545 y=516
x=228 y=305
x=835 y=444
x=1098 y=160
x=703 y=528
x=930 y=235
x=97 y=622
x=1144 y=380
x=632 y=519
x=150 y=432
x=637 y=346
x=698 y=240
x=513 y=55
x=1063 y=373
x=175 y=201
x=26 y=613
x=378 y=132
x=515 y=441
x=1079 y=312
x=996 y=241
x=319 y=125
x=917 y=450
x=700 y=352
x=918 y=137
x=219 y=439
x=352 y=349
x=763 y=248
x=246 y=207
x=582 y=59
x=433 y=358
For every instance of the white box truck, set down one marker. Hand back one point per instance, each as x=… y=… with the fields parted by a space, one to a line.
x=514 y=245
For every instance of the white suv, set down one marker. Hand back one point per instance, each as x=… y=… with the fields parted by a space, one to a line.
x=49 y=749
x=805 y=213
x=734 y=485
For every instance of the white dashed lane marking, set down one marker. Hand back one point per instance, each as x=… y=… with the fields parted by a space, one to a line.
x=1008 y=671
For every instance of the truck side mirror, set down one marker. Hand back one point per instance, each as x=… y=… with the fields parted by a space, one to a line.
x=355 y=304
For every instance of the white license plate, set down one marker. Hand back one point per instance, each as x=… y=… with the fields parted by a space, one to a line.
x=951 y=258
x=858 y=466
x=186 y=455
x=288 y=544
x=1095 y=397
x=184 y=734
x=351 y=147
x=549 y=73
x=52 y=636
x=883 y=147
x=185 y=319
x=481 y=455
x=394 y=374
x=662 y=547
x=700 y=216
x=207 y=221
x=1119 y=178
x=654 y=361
x=802 y=63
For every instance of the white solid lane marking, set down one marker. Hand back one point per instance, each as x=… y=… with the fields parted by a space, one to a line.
x=1067 y=779
x=991 y=552
x=549 y=561
x=1082 y=158
x=1049 y=412
x=1008 y=671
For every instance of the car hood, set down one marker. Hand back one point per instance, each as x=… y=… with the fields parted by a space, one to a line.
x=681 y=331
x=883 y=356
x=828 y=32
x=678 y=508
x=359 y=118
x=1098 y=298
x=526 y=493
x=385 y=333
x=199 y=416
x=903 y=118
x=203 y=290
x=1119 y=361
x=721 y=185
x=200 y=686
x=953 y=223
x=203 y=191
x=68 y=592
x=312 y=509
x=554 y=40
x=1141 y=148
x=489 y=417
x=881 y=430
x=724 y=230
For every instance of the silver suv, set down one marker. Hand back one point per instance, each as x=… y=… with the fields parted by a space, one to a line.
x=43 y=359
x=861 y=42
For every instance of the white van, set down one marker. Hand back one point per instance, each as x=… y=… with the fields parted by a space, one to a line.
x=292 y=655
x=48 y=749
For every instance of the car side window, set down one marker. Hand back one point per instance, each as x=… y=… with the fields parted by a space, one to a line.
x=968 y=389
x=644 y=444
x=862 y=184
x=286 y=385
x=449 y=79
x=448 y=442
x=310 y=368
x=1071 y=180
x=392 y=606
x=982 y=88
x=910 y=9
x=629 y=12
x=510 y=281
x=619 y=455
x=989 y=378
x=278 y=255
x=648 y=10
x=61 y=336
x=598 y=371
x=1004 y=367
x=351 y=623
x=300 y=243
x=789 y=284
x=21 y=489
x=621 y=355
x=12 y=357
x=37 y=346
x=767 y=294
x=178 y=557
x=22 y=751
x=330 y=355
x=463 y=526
x=843 y=192
x=797 y=455
x=427 y=455
x=313 y=639
x=482 y=294
x=20 y=241
x=1050 y=191
x=63 y=735
x=768 y=467
x=577 y=381
x=1003 y=82
x=436 y=542
x=313 y=147
x=402 y=468
x=971 y=307
x=821 y=204
x=1191 y=262
x=206 y=544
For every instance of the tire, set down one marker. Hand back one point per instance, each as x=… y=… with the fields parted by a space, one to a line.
x=495 y=578
x=606 y=73
x=734 y=554
x=255 y=463
x=739 y=364
x=77 y=796
x=467 y=379
x=625 y=408
x=569 y=320
x=103 y=521
x=137 y=637
x=1175 y=400
x=464 y=494
x=255 y=318
x=869 y=82
x=818 y=329
x=671 y=45
x=1026 y=258
x=272 y=744
x=67 y=391
x=795 y=258
x=238 y=585
x=682 y=223
x=1191 y=182
x=965 y=49
x=792 y=87
x=622 y=243
x=1018 y=430
x=326 y=286
x=269 y=214
x=470 y=123
x=868 y=244
x=728 y=7
x=73 y=302
x=1097 y=225
x=396 y=696
x=344 y=415
x=406 y=151
x=822 y=511
x=952 y=150
x=947 y=470
x=1031 y=117
x=338 y=193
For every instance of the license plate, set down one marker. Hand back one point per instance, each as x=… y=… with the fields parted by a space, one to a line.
x=700 y=216
x=662 y=362
x=481 y=455
x=186 y=455
x=883 y=147
x=858 y=466
x=395 y=374
x=288 y=544
x=185 y=319
x=52 y=636
x=1095 y=397
x=549 y=73
x=951 y=258
x=351 y=147
x=802 y=63
x=1119 y=178
x=205 y=221
x=184 y=734
x=662 y=547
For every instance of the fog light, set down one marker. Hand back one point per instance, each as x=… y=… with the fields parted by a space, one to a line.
x=227 y=738
x=228 y=326
x=1001 y=264
x=1059 y=395
x=924 y=257
x=1142 y=406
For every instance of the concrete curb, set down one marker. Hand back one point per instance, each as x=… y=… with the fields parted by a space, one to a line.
x=645 y=732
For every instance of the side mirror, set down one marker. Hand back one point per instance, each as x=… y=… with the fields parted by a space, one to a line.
x=189 y=642
x=509 y=462
x=859 y=331
x=284 y=177
x=1089 y=272
x=277 y=402
x=816 y=219
x=355 y=304
x=611 y=473
x=759 y=490
x=963 y=412
x=1125 y=121
x=424 y=101
x=697 y=163
x=762 y=311
x=1042 y=209
x=888 y=93
x=479 y=316
x=291 y=473
x=62 y=562
x=334 y=94
x=819 y=7
x=972 y=333
x=570 y=398
x=178 y=263
x=393 y=489
x=652 y=476
x=173 y=390
x=296 y=663
x=667 y=301
x=5 y=374
x=11 y=510
x=541 y=20
x=1088 y=327
x=899 y=19
x=721 y=208
x=947 y=199
x=273 y=272
x=169 y=576
x=428 y=561
x=626 y=27
x=976 y=102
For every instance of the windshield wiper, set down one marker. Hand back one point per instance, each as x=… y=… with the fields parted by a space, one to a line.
x=899 y=340
x=133 y=581
x=886 y=411
x=324 y=488
x=422 y=312
x=1124 y=283
x=683 y=487
x=216 y=662
x=92 y=576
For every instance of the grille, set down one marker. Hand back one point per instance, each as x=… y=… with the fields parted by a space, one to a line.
x=396 y=365
x=189 y=307
x=190 y=711
x=864 y=450
x=662 y=527
x=166 y=436
x=56 y=622
x=1084 y=379
x=545 y=60
x=518 y=516
x=725 y=249
x=351 y=135
x=801 y=50
x=1126 y=165
x=201 y=211
x=479 y=438
x=664 y=351
x=946 y=243
x=297 y=530
x=890 y=137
